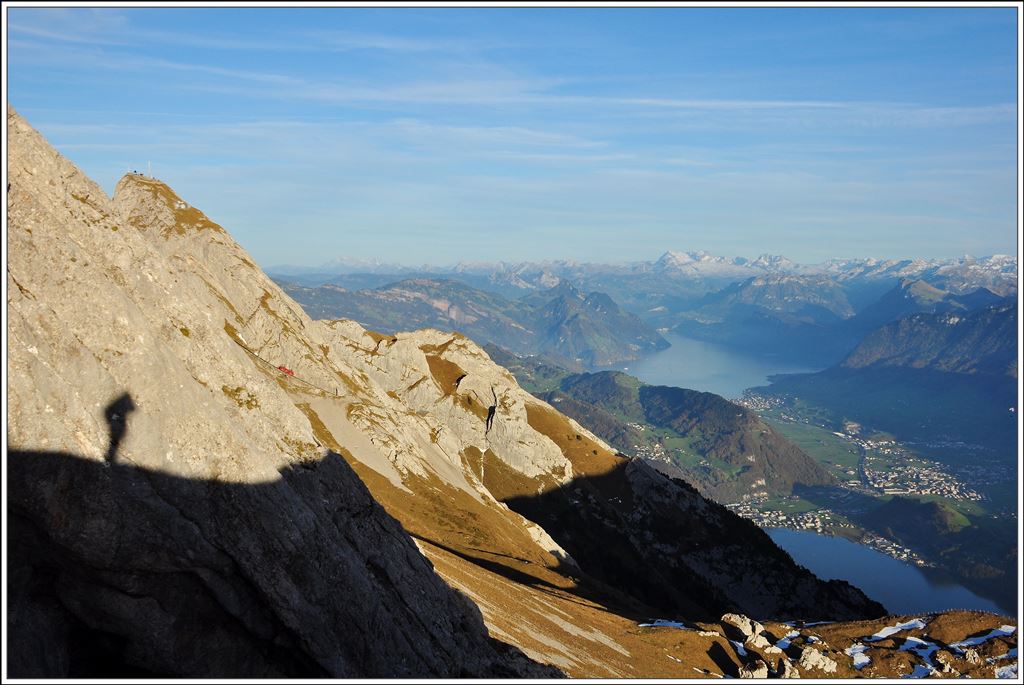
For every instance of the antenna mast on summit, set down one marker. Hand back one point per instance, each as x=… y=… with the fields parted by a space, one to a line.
x=149 y=169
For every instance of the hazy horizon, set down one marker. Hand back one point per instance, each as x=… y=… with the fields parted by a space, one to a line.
x=371 y=261
x=606 y=135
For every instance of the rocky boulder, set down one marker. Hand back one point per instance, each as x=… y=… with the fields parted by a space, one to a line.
x=812 y=659
x=755 y=669
x=746 y=627
x=786 y=669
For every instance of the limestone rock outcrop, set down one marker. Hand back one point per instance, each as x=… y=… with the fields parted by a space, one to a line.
x=747 y=627
x=756 y=669
x=812 y=659
x=786 y=669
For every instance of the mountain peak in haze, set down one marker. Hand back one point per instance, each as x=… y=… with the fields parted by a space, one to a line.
x=920 y=290
x=773 y=262
x=564 y=288
x=673 y=259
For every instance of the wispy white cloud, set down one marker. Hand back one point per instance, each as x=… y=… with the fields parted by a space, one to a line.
x=64 y=37
x=99 y=42
x=359 y=177
x=925 y=115
x=36 y=54
x=114 y=28
x=80 y=25
x=686 y=162
x=176 y=148
x=560 y=157
x=543 y=93
x=743 y=105
x=414 y=130
x=352 y=40
x=420 y=136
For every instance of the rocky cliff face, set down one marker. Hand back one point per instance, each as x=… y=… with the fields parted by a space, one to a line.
x=184 y=446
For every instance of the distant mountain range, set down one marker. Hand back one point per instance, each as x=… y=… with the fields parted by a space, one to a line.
x=809 y=298
x=767 y=306
x=808 y=317
x=997 y=272
x=778 y=315
x=983 y=341
x=917 y=297
x=926 y=377
x=579 y=330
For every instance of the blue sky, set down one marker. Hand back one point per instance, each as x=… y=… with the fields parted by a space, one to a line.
x=452 y=134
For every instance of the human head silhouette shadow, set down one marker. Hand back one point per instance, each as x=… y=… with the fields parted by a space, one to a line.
x=116 y=415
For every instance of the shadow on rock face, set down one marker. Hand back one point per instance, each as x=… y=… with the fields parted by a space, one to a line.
x=722 y=659
x=657 y=539
x=117 y=570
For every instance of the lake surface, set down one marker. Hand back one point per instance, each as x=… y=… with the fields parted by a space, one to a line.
x=903 y=588
x=700 y=365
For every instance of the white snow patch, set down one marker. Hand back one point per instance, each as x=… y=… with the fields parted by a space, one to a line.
x=920 y=671
x=663 y=623
x=860 y=659
x=740 y=649
x=1008 y=672
x=786 y=639
x=922 y=648
x=1001 y=631
x=916 y=644
x=892 y=630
